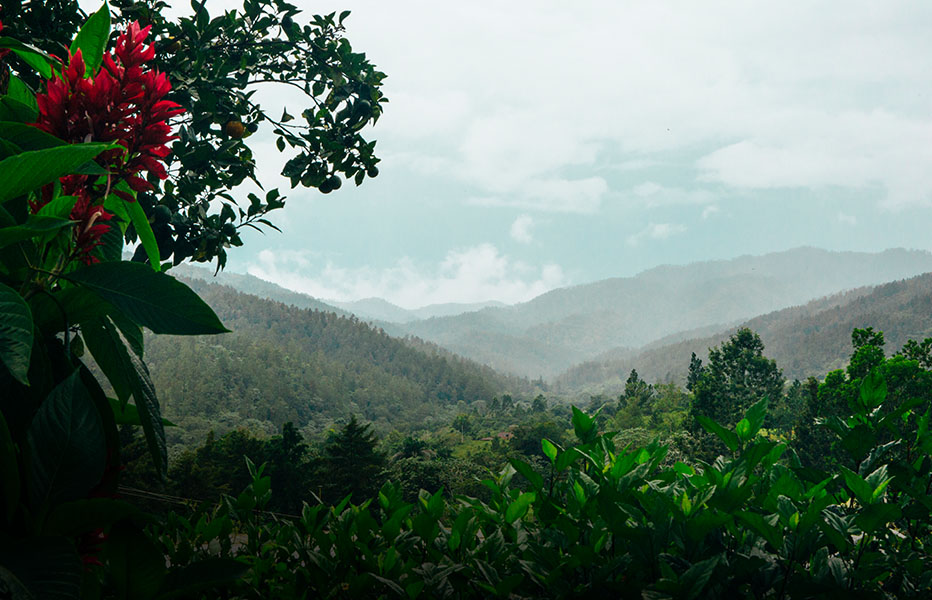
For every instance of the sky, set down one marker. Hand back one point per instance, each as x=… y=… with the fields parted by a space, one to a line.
x=534 y=145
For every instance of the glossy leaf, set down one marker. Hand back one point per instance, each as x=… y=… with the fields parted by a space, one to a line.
x=92 y=39
x=729 y=438
x=28 y=137
x=9 y=470
x=31 y=55
x=144 y=231
x=519 y=507
x=66 y=445
x=16 y=333
x=35 y=226
x=31 y=170
x=150 y=299
x=136 y=564
x=550 y=450
x=129 y=376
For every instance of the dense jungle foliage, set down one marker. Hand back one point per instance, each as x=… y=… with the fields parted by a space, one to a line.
x=739 y=485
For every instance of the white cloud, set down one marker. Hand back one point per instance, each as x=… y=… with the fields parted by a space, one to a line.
x=655 y=231
x=582 y=196
x=710 y=210
x=788 y=95
x=651 y=195
x=521 y=229
x=847 y=219
x=475 y=274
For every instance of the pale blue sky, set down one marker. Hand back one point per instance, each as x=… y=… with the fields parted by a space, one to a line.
x=530 y=145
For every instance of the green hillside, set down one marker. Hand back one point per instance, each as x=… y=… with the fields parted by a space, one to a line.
x=282 y=363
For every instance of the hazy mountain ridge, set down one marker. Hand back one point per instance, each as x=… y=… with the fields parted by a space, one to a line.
x=811 y=339
x=566 y=326
x=249 y=284
x=379 y=309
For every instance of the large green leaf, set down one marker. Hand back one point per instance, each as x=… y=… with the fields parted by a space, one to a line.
x=12 y=109
x=144 y=230
x=19 y=91
x=35 y=226
x=9 y=469
x=28 y=137
x=66 y=445
x=129 y=414
x=137 y=566
x=92 y=39
x=128 y=376
x=15 y=333
x=150 y=299
x=31 y=170
x=109 y=352
x=32 y=56
x=518 y=508
x=730 y=438
x=71 y=519
x=49 y=567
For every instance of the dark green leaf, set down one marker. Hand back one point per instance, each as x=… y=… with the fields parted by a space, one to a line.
x=862 y=490
x=144 y=230
x=129 y=376
x=15 y=333
x=873 y=390
x=66 y=445
x=529 y=473
x=137 y=566
x=129 y=414
x=15 y=110
x=150 y=299
x=31 y=170
x=71 y=519
x=35 y=226
x=584 y=425
x=28 y=137
x=550 y=450
x=519 y=507
x=110 y=354
x=19 y=91
x=874 y=517
x=9 y=470
x=728 y=437
x=49 y=567
x=11 y=585
x=92 y=39
x=31 y=55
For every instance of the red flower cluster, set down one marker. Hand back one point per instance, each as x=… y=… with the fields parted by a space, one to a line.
x=124 y=103
x=2 y=52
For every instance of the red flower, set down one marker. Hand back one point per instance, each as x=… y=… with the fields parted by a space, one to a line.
x=123 y=103
x=2 y=52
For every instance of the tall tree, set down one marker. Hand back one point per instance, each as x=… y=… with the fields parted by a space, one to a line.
x=737 y=375
x=351 y=464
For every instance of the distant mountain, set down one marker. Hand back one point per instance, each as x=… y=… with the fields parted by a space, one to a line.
x=567 y=326
x=256 y=287
x=804 y=340
x=314 y=368
x=384 y=311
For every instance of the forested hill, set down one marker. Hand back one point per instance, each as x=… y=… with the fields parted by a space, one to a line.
x=282 y=363
x=570 y=325
x=805 y=340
